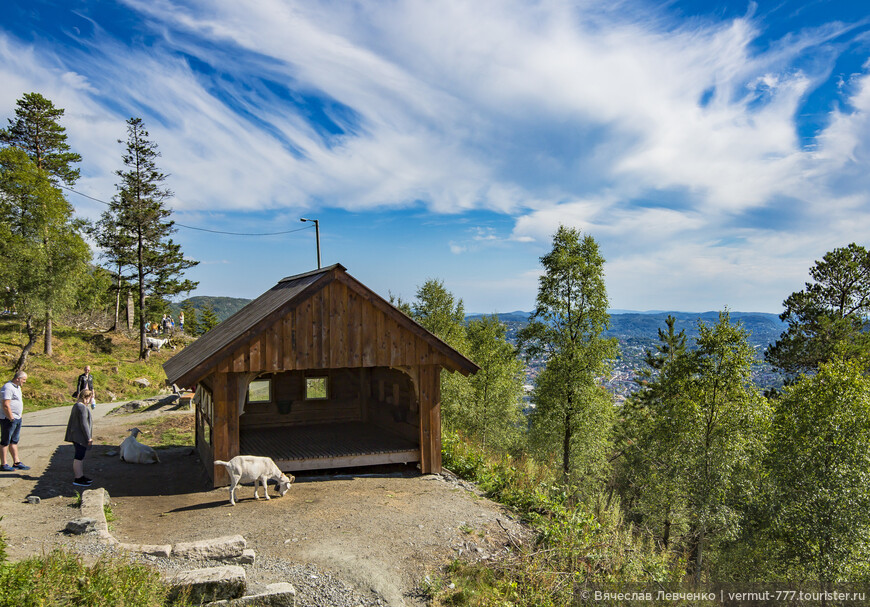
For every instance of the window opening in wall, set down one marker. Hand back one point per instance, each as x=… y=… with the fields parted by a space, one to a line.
x=260 y=391
x=316 y=388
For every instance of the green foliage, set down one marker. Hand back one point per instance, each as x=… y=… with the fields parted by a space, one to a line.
x=36 y=131
x=42 y=253
x=208 y=320
x=828 y=317
x=566 y=331
x=3 y=555
x=819 y=465
x=94 y=292
x=581 y=544
x=694 y=437
x=224 y=307
x=112 y=357
x=493 y=413
x=439 y=312
x=61 y=578
x=191 y=321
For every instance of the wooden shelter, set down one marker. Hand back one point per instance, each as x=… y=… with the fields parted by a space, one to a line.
x=318 y=372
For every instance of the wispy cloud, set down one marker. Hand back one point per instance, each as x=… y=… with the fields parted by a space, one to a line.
x=673 y=142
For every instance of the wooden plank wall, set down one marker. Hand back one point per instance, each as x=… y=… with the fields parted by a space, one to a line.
x=343 y=404
x=335 y=327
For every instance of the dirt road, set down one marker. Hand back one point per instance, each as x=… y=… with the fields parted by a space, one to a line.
x=379 y=530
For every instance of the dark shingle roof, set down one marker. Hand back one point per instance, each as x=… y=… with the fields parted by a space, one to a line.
x=242 y=321
x=195 y=358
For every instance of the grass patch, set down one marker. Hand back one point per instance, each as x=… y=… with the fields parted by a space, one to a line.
x=62 y=578
x=113 y=357
x=172 y=430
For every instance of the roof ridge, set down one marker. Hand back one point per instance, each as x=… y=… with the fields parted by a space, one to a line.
x=313 y=272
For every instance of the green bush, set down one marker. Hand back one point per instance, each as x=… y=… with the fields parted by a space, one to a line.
x=61 y=578
x=579 y=546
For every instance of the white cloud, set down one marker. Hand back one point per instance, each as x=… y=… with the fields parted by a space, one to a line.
x=549 y=112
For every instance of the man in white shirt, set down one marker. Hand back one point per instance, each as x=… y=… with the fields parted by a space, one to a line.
x=10 y=422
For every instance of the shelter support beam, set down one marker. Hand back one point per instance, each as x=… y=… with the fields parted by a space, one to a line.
x=429 y=387
x=225 y=431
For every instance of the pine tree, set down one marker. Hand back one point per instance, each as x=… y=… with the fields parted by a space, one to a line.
x=208 y=319
x=139 y=212
x=36 y=130
x=828 y=317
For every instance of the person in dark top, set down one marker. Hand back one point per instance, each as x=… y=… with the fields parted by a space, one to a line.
x=86 y=382
x=79 y=432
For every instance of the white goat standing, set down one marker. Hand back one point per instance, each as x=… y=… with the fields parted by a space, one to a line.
x=261 y=470
x=154 y=343
x=134 y=452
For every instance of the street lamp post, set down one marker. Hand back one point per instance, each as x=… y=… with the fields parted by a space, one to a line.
x=317 y=236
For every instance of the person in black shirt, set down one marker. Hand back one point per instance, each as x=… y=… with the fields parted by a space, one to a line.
x=86 y=382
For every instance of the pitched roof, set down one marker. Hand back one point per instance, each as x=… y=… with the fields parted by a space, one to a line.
x=195 y=361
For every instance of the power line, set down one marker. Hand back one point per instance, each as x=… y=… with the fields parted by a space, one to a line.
x=194 y=227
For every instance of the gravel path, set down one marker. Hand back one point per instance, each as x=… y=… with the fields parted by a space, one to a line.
x=363 y=537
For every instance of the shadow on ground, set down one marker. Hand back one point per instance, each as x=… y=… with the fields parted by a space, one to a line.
x=179 y=472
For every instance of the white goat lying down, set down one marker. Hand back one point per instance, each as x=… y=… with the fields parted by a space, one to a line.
x=134 y=452
x=260 y=470
x=154 y=343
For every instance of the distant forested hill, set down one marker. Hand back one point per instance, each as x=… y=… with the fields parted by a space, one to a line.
x=224 y=307
x=764 y=328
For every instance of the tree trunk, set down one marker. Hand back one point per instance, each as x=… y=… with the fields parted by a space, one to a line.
x=31 y=340
x=130 y=309
x=566 y=442
x=667 y=535
x=117 y=303
x=48 y=350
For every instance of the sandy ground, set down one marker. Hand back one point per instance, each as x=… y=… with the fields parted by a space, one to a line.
x=381 y=529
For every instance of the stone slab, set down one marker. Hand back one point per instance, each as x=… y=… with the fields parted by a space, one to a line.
x=208 y=584
x=220 y=548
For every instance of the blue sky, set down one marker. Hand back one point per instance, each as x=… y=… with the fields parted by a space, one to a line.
x=713 y=149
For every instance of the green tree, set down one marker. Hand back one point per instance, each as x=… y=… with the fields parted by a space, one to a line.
x=829 y=316
x=140 y=213
x=207 y=321
x=648 y=471
x=566 y=330
x=438 y=311
x=36 y=130
x=819 y=463
x=42 y=253
x=493 y=415
x=191 y=322
x=117 y=248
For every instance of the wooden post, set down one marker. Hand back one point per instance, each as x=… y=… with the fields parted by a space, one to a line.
x=430 y=418
x=225 y=429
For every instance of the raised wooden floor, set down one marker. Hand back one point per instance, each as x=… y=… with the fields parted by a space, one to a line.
x=316 y=447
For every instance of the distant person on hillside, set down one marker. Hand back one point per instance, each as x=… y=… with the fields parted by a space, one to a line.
x=164 y=324
x=80 y=432
x=86 y=382
x=181 y=321
x=10 y=422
